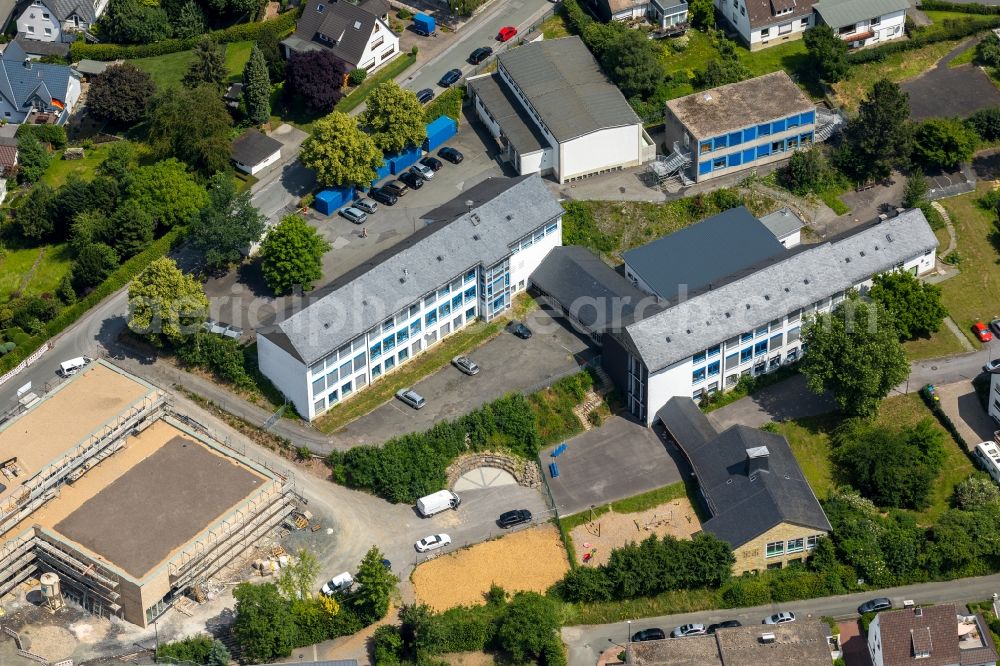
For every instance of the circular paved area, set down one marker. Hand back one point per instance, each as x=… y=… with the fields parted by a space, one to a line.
x=484 y=477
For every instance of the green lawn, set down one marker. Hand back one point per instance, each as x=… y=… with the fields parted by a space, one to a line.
x=59 y=170
x=16 y=266
x=791 y=57
x=810 y=442
x=942 y=343
x=237 y=55
x=555 y=27
x=168 y=70
x=939 y=17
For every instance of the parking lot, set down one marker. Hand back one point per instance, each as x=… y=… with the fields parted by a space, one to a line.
x=620 y=459
x=946 y=92
x=506 y=363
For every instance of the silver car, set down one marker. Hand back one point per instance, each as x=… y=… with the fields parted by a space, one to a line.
x=355 y=215
x=411 y=398
x=422 y=170
x=466 y=365
x=366 y=205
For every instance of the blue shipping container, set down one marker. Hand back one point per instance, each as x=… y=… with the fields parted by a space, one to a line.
x=402 y=160
x=423 y=24
x=328 y=201
x=439 y=131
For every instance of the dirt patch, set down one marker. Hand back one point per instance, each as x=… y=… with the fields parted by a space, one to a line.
x=468 y=659
x=532 y=559
x=613 y=530
x=48 y=641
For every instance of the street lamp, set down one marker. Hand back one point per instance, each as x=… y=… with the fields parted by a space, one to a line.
x=628 y=636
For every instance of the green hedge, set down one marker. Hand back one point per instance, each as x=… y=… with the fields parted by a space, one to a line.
x=448 y=103
x=934 y=404
x=921 y=37
x=964 y=8
x=243 y=32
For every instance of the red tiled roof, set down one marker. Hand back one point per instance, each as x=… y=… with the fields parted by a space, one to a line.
x=8 y=157
x=932 y=629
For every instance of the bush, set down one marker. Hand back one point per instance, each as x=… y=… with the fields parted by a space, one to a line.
x=747 y=590
x=580 y=228
x=986 y=123
x=224 y=357
x=404 y=14
x=449 y=103
x=357 y=76
x=51 y=134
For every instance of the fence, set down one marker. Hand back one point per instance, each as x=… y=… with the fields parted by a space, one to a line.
x=35 y=355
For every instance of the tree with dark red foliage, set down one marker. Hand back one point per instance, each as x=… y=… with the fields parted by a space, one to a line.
x=317 y=78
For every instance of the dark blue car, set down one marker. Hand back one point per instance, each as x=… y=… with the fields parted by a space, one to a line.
x=450 y=78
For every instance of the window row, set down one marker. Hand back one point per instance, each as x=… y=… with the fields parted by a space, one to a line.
x=776 y=548
x=335 y=359
x=538 y=235
x=754 y=153
x=753 y=133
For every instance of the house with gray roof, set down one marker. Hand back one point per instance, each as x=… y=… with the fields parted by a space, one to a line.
x=357 y=34
x=34 y=90
x=864 y=22
x=59 y=21
x=552 y=111
x=466 y=262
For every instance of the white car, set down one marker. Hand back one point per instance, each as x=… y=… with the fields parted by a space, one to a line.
x=780 y=618
x=688 y=630
x=992 y=365
x=432 y=542
x=339 y=583
x=422 y=170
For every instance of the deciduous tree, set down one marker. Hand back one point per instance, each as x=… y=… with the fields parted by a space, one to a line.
x=298 y=580
x=377 y=584
x=119 y=161
x=633 y=63
x=828 y=53
x=227 y=225
x=121 y=94
x=914 y=305
x=340 y=153
x=879 y=139
x=527 y=625
x=165 y=302
x=916 y=190
x=34 y=216
x=317 y=78
x=701 y=14
x=944 y=142
x=208 y=68
x=133 y=22
x=976 y=491
x=192 y=125
x=33 y=158
x=168 y=192
x=264 y=625
x=855 y=353
x=292 y=254
x=257 y=88
x=394 y=118
x=986 y=123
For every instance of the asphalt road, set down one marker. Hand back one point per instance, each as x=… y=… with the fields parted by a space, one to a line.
x=588 y=641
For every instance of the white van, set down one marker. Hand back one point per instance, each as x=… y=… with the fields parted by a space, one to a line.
x=339 y=583
x=437 y=502
x=72 y=366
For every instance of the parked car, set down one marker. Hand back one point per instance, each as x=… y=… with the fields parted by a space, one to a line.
x=875 y=605
x=992 y=365
x=384 y=196
x=396 y=187
x=453 y=155
x=725 y=624
x=425 y=95
x=422 y=170
x=780 y=618
x=339 y=583
x=450 y=78
x=366 y=205
x=355 y=215
x=506 y=33
x=652 y=634
x=387 y=564
x=432 y=542
x=519 y=329
x=480 y=54
x=434 y=163
x=466 y=365
x=688 y=630
x=412 y=180
x=411 y=398
x=983 y=333
x=995 y=325
x=514 y=518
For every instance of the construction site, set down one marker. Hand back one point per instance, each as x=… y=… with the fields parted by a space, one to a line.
x=132 y=506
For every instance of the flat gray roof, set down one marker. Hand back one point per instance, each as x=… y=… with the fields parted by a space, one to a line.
x=703 y=254
x=841 y=13
x=782 y=222
x=567 y=87
x=802 y=278
x=515 y=122
x=737 y=105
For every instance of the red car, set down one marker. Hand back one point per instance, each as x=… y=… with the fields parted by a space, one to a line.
x=983 y=333
x=506 y=33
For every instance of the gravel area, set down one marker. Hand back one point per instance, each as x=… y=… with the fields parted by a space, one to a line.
x=613 y=530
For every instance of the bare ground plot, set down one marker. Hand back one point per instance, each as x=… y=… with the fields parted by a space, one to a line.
x=532 y=559
x=613 y=530
x=947 y=92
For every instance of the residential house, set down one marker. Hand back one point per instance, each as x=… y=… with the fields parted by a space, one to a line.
x=864 y=22
x=254 y=151
x=35 y=92
x=764 y=23
x=58 y=20
x=358 y=34
x=930 y=636
x=759 y=500
x=741 y=126
x=662 y=13
x=553 y=111
x=801 y=643
x=466 y=262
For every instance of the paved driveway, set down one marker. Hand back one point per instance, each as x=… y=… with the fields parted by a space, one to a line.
x=951 y=92
x=507 y=364
x=620 y=459
x=960 y=402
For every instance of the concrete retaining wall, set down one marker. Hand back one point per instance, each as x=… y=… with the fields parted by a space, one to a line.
x=525 y=472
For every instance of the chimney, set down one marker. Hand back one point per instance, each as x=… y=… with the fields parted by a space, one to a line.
x=757 y=459
x=27 y=63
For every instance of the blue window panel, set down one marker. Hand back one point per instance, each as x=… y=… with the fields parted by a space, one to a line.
x=763 y=151
x=749 y=155
x=319 y=386
x=376 y=350
x=415 y=327
x=746 y=354
x=698 y=358
x=735 y=159
x=442 y=292
x=390 y=363
x=792 y=121
x=471 y=275
x=377 y=371
x=761 y=330
x=403 y=335
x=713 y=369
x=698 y=375
x=746 y=337
x=749 y=134
x=808 y=118
x=431 y=318
x=470 y=294
x=456 y=301
x=551 y=228
x=764 y=130
x=778 y=126
x=445 y=310
x=760 y=348
x=470 y=313
x=714 y=351
x=389 y=343
x=705 y=167
x=720 y=142
x=736 y=138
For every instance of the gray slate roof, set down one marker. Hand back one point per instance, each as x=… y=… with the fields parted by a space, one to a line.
x=434 y=255
x=840 y=13
x=795 y=280
x=348 y=25
x=743 y=506
x=37 y=47
x=91 y=67
x=782 y=222
x=586 y=287
x=64 y=9
x=517 y=125
x=253 y=147
x=567 y=88
x=20 y=84
x=703 y=254
x=686 y=423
